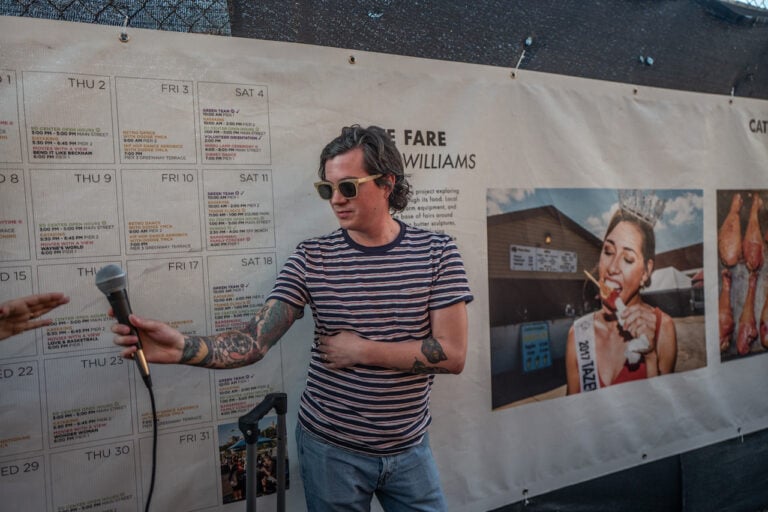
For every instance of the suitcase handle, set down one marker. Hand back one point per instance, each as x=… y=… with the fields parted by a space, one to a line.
x=249 y=426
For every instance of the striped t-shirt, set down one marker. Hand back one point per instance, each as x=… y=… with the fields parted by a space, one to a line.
x=381 y=294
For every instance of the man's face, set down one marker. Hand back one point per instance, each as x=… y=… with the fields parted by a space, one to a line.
x=365 y=212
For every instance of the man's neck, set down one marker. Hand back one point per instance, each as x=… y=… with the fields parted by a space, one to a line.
x=384 y=234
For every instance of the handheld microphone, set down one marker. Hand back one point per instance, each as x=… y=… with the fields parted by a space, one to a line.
x=111 y=281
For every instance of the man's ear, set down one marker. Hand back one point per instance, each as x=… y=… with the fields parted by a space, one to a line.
x=391 y=178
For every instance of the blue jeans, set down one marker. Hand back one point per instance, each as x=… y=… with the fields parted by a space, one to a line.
x=341 y=480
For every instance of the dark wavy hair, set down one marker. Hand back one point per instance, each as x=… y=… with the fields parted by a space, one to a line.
x=380 y=156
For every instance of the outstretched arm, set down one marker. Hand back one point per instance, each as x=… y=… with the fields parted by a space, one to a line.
x=18 y=315
x=163 y=344
x=443 y=352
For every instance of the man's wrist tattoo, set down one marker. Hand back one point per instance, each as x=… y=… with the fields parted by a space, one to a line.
x=197 y=351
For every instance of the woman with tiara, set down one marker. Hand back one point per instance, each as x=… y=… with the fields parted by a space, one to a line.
x=626 y=339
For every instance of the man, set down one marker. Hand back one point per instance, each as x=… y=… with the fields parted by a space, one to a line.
x=389 y=306
x=18 y=315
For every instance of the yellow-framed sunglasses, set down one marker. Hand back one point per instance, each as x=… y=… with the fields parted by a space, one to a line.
x=346 y=187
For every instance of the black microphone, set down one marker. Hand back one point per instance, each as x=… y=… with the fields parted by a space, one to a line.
x=111 y=281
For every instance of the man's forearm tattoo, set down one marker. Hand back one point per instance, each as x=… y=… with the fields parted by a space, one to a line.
x=270 y=323
x=434 y=353
x=227 y=350
x=197 y=351
x=240 y=347
x=419 y=367
x=235 y=348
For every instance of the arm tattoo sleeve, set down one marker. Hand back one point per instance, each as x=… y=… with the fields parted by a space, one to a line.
x=238 y=348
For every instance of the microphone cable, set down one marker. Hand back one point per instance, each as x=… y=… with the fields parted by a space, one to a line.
x=154 y=444
x=111 y=281
x=147 y=378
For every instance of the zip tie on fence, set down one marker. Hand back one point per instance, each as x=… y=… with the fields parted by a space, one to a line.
x=124 y=37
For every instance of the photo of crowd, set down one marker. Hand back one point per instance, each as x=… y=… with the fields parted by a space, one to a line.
x=232 y=459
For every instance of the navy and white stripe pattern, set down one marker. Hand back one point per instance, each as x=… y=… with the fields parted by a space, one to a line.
x=382 y=294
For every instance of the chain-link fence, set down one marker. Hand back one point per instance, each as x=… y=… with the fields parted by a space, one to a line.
x=201 y=16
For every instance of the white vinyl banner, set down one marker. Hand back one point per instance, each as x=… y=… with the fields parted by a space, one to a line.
x=189 y=160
